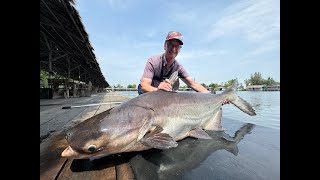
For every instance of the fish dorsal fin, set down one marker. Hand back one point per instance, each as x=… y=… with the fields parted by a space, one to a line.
x=199 y=133
x=158 y=140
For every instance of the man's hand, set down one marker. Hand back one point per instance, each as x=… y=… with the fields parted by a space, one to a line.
x=225 y=102
x=165 y=85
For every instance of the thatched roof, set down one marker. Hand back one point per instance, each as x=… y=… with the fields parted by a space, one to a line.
x=64 y=39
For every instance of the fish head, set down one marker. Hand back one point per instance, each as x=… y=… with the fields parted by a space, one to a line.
x=110 y=135
x=89 y=143
x=85 y=144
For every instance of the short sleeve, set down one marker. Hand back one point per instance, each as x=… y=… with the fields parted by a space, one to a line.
x=148 y=70
x=182 y=73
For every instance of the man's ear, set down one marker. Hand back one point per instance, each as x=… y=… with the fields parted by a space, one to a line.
x=165 y=46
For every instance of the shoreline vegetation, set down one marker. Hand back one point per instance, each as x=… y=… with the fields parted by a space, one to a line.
x=254 y=83
x=249 y=88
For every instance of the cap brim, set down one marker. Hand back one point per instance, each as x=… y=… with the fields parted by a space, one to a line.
x=181 y=43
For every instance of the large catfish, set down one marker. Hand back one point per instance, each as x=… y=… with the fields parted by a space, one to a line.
x=152 y=120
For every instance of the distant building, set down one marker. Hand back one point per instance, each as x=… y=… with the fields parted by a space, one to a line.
x=241 y=86
x=263 y=88
x=272 y=88
x=219 y=88
x=255 y=87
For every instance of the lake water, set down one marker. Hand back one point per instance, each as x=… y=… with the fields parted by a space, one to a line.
x=266 y=104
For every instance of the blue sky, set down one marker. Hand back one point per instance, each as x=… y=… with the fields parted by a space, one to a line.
x=223 y=39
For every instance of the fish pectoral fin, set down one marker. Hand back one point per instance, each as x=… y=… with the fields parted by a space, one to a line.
x=153 y=130
x=199 y=133
x=159 y=141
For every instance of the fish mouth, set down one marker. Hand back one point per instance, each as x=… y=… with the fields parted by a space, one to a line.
x=69 y=152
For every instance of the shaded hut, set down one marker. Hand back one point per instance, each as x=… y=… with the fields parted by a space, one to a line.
x=65 y=48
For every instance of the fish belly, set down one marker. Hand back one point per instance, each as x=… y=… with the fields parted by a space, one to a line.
x=179 y=127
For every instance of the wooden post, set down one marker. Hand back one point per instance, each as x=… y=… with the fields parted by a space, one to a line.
x=68 y=77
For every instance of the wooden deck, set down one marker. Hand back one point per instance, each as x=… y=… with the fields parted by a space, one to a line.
x=55 y=121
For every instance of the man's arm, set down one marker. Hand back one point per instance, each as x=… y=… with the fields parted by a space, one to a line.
x=194 y=85
x=198 y=87
x=146 y=85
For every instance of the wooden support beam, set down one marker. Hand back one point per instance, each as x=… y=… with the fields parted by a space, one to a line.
x=58 y=57
x=68 y=76
x=59 y=27
x=49 y=57
x=62 y=27
x=52 y=37
x=93 y=58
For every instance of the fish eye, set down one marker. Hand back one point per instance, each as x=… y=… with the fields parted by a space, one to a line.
x=68 y=135
x=92 y=148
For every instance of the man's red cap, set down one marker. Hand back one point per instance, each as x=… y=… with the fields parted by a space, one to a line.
x=175 y=35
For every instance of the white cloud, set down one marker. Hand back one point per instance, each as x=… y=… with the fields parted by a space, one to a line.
x=150 y=33
x=122 y=4
x=192 y=54
x=267 y=46
x=256 y=19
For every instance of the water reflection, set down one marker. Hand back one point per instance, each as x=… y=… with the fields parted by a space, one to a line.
x=173 y=163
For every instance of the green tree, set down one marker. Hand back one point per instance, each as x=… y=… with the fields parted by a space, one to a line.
x=256 y=79
x=270 y=81
x=118 y=86
x=44 y=75
x=131 y=86
x=204 y=85
x=229 y=83
x=213 y=85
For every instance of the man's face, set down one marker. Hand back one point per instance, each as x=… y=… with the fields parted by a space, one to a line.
x=172 y=48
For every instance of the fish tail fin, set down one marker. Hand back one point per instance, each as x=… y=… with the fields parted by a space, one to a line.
x=239 y=135
x=237 y=100
x=244 y=130
x=243 y=105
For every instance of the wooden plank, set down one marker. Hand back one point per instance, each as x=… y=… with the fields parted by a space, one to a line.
x=53 y=166
x=59 y=121
x=62 y=118
x=84 y=115
x=49 y=113
x=50 y=156
x=124 y=172
x=103 y=108
x=51 y=161
x=102 y=168
x=123 y=167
